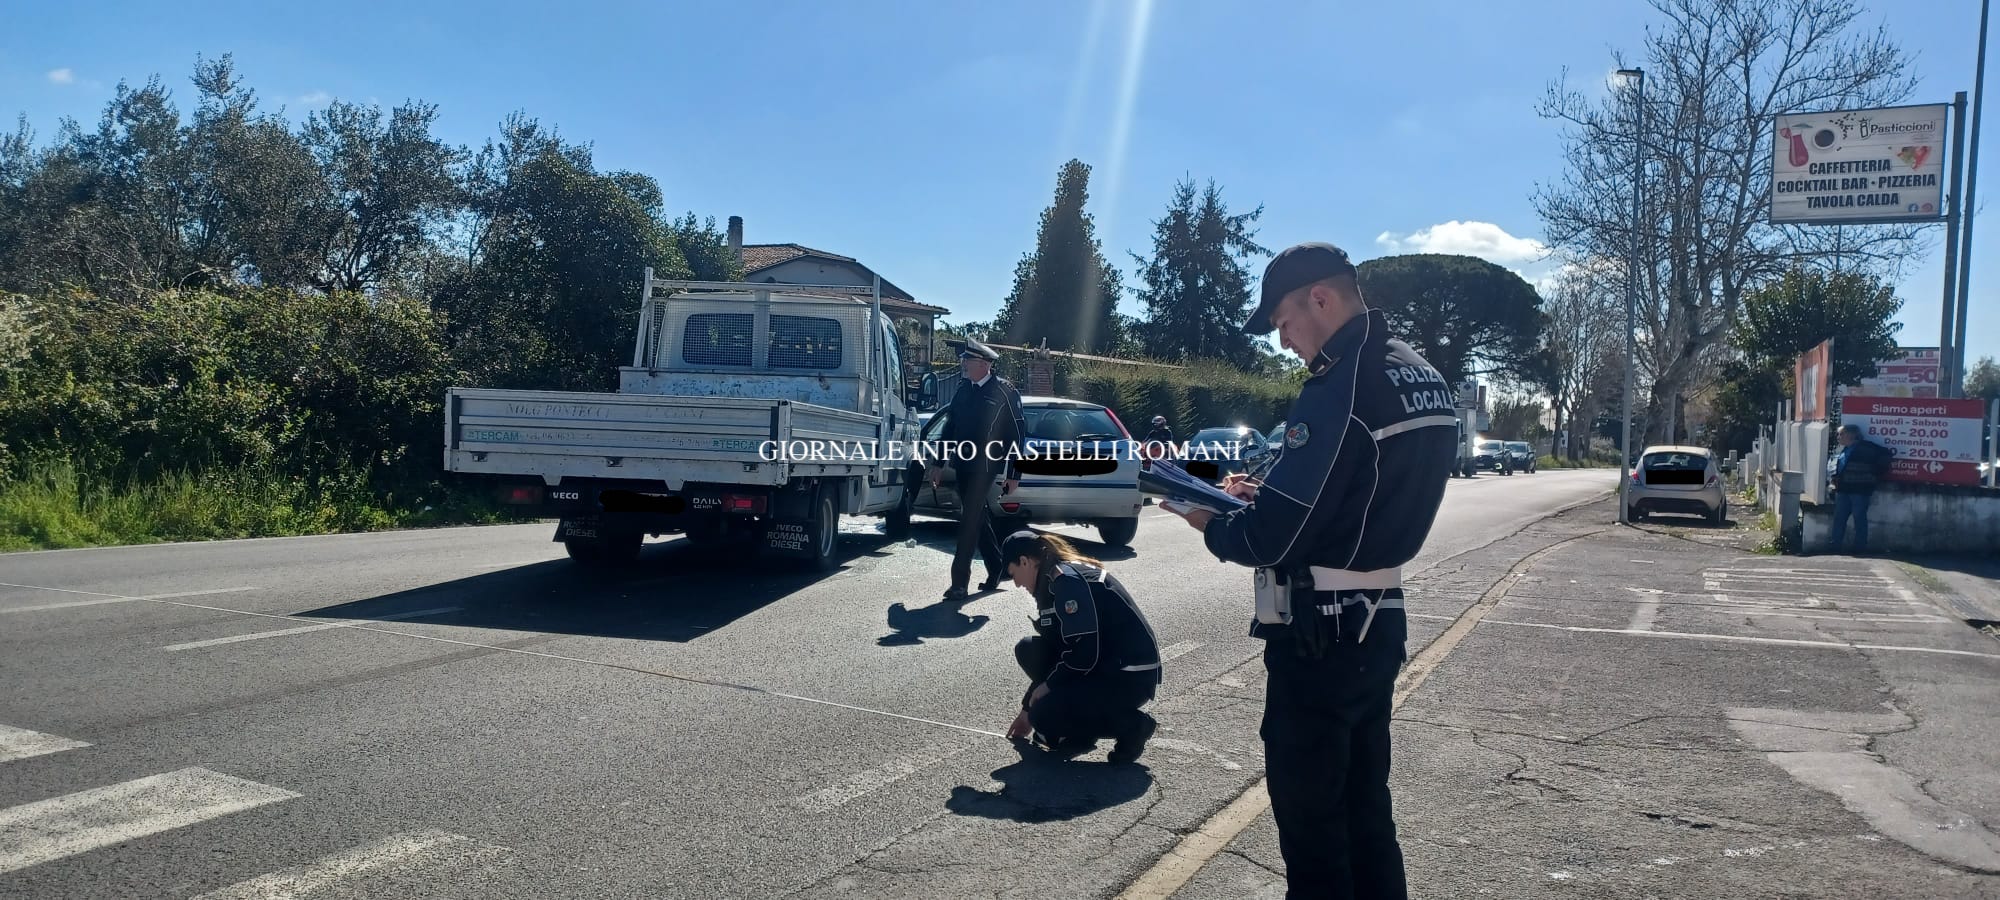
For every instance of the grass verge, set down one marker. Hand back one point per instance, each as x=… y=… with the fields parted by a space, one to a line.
x=52 y=506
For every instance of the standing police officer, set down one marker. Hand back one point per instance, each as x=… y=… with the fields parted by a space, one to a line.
x=984 y=437
x=1370 y=440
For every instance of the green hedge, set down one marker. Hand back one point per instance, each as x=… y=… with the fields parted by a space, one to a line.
x=1201 y=394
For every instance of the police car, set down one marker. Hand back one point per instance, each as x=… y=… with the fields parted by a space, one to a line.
x=1087 y=473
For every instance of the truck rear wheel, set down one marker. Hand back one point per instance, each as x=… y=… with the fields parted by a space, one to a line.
x=614 y=549
x=822 y=530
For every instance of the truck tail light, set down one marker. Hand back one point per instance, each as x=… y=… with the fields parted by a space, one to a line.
x=743 y=503
x=523 y=495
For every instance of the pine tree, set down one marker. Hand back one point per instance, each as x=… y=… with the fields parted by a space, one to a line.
x=1064 y=291
x=1197 y=290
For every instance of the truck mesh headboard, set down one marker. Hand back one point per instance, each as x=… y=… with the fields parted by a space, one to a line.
x=655 y=334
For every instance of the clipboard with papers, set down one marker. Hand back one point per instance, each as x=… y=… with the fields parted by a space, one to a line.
x=1182 y=491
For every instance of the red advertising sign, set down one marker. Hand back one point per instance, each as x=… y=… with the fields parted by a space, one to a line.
x=1813 y=375
x=1936 y=441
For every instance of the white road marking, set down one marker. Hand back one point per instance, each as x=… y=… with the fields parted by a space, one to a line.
x=102 y=599
x=875 y=779
x=35 y=833
x=260 y=635
x=1176 y=651
x=20 y=743
x=1740 y=638
x=408 y=850
x=1647 y=610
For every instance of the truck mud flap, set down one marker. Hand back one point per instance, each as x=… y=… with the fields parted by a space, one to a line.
x=579 y=528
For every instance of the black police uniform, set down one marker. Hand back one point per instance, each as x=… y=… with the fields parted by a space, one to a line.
x=1352 y=500
x=985 y=421
x=1098 y=655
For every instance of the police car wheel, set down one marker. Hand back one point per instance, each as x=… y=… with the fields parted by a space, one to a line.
x=1118 y=532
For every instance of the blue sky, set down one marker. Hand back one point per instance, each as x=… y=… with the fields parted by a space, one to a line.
x=923 y=137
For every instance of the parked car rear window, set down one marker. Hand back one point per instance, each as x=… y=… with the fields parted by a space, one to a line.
x=1674 y=461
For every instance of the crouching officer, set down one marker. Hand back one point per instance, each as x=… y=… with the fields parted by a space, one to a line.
x=1329 y=527
x=1093 y=660
x=985 y=433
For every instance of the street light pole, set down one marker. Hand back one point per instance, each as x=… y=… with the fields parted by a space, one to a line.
x=1637 y=77
x=1969 y=211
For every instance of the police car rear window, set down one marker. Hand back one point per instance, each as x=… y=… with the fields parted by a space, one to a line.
x=1070 y=424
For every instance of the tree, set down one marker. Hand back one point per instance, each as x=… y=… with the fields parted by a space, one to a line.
x=1718 y=72
x=1983 y=379
x=1517 y=419
x=1798 y=311
x=1197 y=290
x=561 y=249
x=1786 y=317
x=1064 y=291
x=392 y=181
x=1466 y=315
x=1581 y=339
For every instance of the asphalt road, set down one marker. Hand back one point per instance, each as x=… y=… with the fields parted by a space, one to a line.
x=461 y=713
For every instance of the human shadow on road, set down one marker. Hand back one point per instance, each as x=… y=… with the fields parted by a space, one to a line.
x=1046 y=788
x=942 y=535
x=676 y=591
x=937 y=621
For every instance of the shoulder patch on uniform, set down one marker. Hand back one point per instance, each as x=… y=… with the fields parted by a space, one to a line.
x=1069 y=607
x=1297 y=435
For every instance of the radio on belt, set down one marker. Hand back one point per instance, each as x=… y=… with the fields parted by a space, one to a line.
x=1274 y=598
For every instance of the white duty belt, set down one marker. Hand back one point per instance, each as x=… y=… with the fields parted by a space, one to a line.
x=1325 y=579
x=1337 y=580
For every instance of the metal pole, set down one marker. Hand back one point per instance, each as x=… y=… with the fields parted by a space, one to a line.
x=1632 y=291
x=1971 y=210
x=1956 y=192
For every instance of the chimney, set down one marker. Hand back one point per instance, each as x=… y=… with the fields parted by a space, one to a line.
x=736 y=238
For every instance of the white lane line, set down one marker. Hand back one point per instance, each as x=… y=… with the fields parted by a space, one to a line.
x=35 y=833
x=1647 y=610
x=1741 y=638
x=405 y=851
x=1179 y=650
x=875 y=779
x=20 y=743
x=328 y=626
x=102 y=599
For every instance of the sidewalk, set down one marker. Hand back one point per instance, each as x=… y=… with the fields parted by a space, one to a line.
x=1641 y=714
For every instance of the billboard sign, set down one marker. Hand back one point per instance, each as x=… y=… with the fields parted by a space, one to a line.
x=1862 y=165
x=1913 y=374
x=1813 y=374
x=1936 y=441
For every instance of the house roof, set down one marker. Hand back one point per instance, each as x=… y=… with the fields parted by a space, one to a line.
x=760 y=257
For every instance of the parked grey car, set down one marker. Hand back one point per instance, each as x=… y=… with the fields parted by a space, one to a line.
x=1682 y=480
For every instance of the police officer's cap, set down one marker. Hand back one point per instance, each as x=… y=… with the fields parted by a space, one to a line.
x=1020 y=544
x=1297 y=266
x=971 y=349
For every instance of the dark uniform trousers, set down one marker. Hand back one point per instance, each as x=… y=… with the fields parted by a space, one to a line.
x=1102 y=705
x=1326 y=745
x=975 y=528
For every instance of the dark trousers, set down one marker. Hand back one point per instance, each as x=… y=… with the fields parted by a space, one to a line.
x=1848 y=505
x=1326 y=755
x=1101 y=705
x=975 y=529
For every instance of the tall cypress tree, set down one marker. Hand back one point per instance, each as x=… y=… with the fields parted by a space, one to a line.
x=1064 y=291
x=1197 y=289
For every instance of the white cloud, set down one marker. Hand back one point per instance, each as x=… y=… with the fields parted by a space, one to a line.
x=1482 y=239
x=316 y=98
x=62 y=76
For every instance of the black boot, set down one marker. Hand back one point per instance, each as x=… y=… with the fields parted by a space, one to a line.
x=1132 y=741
